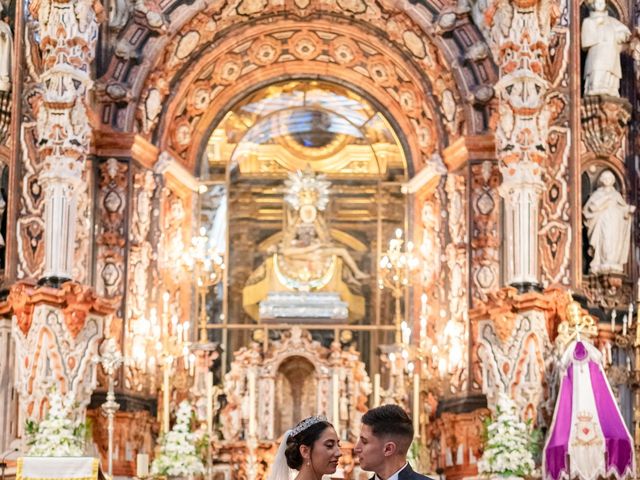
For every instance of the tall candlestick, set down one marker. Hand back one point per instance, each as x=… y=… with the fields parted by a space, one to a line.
x=165 y=395
x=336 y=402
x=416 y=405
x=376 y=390
x=252 y=403
x=210 y=404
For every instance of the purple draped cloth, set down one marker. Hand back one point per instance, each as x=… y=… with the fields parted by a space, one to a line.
x=618 y=442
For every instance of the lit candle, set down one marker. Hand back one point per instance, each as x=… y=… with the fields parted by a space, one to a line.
x=192 y=364
x=416 y=405
x=630 y=314
x=376 y=390
x=252 y=403
x=336 y=402
x=210 y=404
x=624 y=325
x=142 y=465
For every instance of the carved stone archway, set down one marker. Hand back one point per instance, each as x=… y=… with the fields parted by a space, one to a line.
x=391 y=51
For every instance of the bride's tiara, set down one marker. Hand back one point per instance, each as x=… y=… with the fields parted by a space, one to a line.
x=306 y=423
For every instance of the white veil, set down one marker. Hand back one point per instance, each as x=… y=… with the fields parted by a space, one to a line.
x=280 y=470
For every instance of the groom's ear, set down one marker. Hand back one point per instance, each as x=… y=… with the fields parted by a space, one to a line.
x=390 y=448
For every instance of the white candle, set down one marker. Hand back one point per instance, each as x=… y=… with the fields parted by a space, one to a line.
x=336 y=402
x=376 y=390
x=630 y=314
x=210 y=404
x=609 y=354
x=416 y=405
x=192 y=364
x=613 y=321
x=252 y=403
x=624 y=325
x=142 y=465
x=628 y=364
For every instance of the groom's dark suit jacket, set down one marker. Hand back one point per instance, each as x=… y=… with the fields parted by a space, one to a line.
x=407 y=473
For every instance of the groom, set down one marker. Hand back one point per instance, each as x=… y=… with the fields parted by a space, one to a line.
x=385 y=438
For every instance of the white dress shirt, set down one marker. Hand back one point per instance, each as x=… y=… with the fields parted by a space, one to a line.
x=395 y=475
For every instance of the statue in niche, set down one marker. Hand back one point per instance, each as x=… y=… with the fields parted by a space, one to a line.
x=604 y=37
x=306 y=258
x=306 y=237
x=608 y=220
x=6 y=53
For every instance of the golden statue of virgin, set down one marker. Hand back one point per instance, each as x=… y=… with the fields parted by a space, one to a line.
x=306 y=259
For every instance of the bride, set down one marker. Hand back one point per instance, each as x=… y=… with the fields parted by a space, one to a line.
x=311 y=447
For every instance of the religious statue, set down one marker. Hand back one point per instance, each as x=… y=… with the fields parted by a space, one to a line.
x=604 y=36
x=608 y=220
x=307 y=236
x=306 y=259
x=6 y=54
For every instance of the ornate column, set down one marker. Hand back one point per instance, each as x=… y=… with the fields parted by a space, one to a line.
x=519 y=34
x=68 y=32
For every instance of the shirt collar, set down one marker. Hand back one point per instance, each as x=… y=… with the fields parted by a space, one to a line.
x=395 y=475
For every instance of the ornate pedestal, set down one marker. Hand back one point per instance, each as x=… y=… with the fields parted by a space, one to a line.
x=56 y=333
x=604 y=123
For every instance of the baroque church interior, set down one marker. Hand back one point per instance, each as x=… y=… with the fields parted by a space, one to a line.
x=273 y=209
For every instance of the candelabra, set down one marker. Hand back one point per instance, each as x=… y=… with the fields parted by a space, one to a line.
x=627 y=341
x=170 y=348
x=110 y=358
x=207 y=266
x=394 y=273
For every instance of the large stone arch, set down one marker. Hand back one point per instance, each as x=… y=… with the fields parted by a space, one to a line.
x=426 y=65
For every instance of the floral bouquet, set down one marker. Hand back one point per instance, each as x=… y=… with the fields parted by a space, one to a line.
x=178 y=455
x=510 y=443
x=58 y=435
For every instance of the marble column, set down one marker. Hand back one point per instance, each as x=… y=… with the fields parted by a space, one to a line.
x=68 y=32
x=521 y=189
x=520 y=46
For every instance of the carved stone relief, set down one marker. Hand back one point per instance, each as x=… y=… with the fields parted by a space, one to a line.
x=485 y=237
x=456 y=330
x=266 y=369
x=110 y=241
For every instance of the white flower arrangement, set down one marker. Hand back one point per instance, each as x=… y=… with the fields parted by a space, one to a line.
x=178 y=455
x=58 y=435
x=510 y=443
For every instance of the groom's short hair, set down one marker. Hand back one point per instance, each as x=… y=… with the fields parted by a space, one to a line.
x=391 y=421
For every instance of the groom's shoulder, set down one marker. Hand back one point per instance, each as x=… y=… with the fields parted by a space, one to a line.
x=410 y=474
x=418 y=476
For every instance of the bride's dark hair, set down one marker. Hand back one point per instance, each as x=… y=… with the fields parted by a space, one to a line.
x=306 y=437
